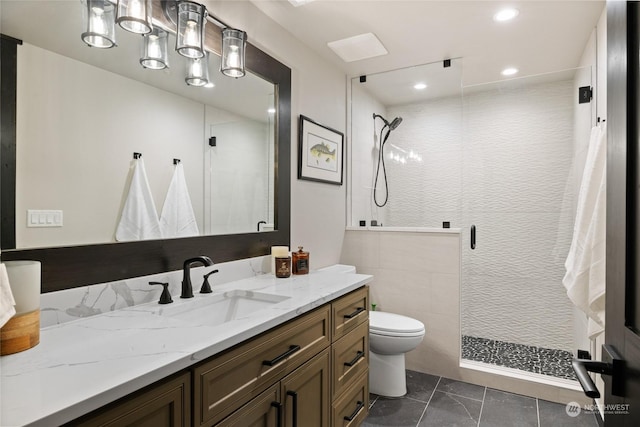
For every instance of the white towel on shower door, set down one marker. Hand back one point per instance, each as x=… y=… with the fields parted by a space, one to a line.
x=139 y=219
x=177 y=218
x=585 y=264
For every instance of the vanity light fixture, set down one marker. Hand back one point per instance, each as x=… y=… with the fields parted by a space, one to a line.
x=192 y=18
x=135 y=16
x=509 y=71
x=154 y=50
x=198 y=71
x=99 y=23
x=233 y=48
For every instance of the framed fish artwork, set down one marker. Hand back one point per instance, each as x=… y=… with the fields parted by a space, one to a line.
x=320 y=152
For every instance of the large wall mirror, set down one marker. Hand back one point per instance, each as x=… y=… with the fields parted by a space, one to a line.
x=79 y=115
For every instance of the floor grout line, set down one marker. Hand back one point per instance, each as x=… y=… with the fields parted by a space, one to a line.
x=538 y=411
x=429 y=401
x=484 y=396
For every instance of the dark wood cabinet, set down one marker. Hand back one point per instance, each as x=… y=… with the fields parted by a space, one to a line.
x=306 y=394
x=164 y=404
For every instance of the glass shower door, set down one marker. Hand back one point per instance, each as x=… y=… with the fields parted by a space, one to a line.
x=522 y=146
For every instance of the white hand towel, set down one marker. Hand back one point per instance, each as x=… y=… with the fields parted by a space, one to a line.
x=139 y=220
x=585 y=264
x=177 y=218
x=7 y=303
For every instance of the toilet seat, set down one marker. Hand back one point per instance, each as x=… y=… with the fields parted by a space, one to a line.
x=394 y=325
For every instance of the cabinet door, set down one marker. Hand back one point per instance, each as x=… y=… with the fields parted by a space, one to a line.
x=306 y=394
x=263 y=411
x=165 y=404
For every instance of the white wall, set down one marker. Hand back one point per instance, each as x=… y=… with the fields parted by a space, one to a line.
x=318 y=211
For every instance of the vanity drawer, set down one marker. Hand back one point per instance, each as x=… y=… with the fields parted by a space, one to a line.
x=352 y=408
x=226 y=382
x=350 y=358
x=349 y=311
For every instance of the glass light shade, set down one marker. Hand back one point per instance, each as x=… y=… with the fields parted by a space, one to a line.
x=197 y=71
x=233 y=49
x=192 y=18
x=154 y=50
x=135 y=16
x=98 y=17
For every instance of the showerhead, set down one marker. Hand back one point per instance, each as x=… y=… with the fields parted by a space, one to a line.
x=395 y=123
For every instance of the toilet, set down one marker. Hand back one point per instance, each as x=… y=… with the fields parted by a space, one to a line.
x=390 y=337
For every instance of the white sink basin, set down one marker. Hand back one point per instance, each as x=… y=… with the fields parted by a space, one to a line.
x=221 y=308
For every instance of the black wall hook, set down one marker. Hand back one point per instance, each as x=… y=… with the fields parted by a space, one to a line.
x=137 y=155
x=176 y=161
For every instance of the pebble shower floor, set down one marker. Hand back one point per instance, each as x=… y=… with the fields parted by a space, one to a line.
x=539 y=360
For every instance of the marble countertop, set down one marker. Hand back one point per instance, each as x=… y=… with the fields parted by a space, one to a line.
x=82 y=365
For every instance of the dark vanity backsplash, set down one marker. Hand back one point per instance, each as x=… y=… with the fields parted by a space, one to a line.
x=71 y=304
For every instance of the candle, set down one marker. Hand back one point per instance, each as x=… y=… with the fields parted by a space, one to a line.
x=278 y=251
x=24 y=278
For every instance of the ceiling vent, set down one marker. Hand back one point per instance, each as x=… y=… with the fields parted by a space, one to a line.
x=359 y=47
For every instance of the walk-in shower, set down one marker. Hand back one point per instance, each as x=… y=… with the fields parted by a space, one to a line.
x=504 y=159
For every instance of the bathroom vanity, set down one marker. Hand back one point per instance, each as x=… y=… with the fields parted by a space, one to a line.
x=260 y=351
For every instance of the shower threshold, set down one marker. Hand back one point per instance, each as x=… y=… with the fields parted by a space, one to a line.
x=530 y=359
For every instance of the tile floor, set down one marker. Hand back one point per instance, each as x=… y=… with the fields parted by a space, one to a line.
x=438 y=401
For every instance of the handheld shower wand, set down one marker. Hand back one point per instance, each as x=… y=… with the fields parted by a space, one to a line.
x=390 y=126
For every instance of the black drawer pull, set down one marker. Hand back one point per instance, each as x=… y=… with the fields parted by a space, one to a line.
x=278 y=407
x=292 y=349
x=359 y=356
x=294 y=409
x=355 y=313
x=355 y=413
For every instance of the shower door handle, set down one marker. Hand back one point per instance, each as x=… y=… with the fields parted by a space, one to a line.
x=473 y=236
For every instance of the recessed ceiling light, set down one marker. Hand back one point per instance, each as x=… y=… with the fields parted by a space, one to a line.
x=420 y=86
x=505 y=15
x=509 y=71
x=297 y=3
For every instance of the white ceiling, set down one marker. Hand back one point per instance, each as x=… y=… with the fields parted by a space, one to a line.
x=546 y=36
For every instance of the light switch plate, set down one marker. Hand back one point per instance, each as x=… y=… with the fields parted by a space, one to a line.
x=44 y=218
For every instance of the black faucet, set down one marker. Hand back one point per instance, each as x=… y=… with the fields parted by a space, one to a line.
x=187 y=289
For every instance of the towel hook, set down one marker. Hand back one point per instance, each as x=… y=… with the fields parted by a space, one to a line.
x=137 y=155
x=176 y=161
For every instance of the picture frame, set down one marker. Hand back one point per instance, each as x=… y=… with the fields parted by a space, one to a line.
x=320 y=152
